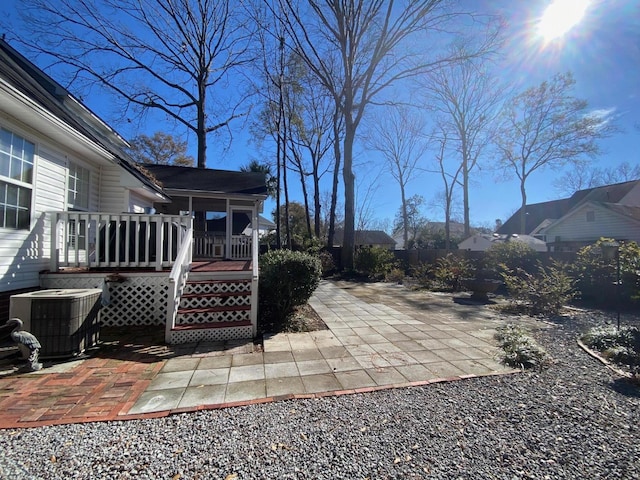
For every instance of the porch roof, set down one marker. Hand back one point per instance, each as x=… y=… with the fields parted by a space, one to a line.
x=194 y=180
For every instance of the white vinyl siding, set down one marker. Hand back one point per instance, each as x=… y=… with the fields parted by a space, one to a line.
x=139 y=204
x=112 y=195
x=575 y=226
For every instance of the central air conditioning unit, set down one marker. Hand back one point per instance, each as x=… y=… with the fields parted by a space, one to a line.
x=65 y=321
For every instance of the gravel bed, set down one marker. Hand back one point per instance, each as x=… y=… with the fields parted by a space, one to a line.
x=573 y=420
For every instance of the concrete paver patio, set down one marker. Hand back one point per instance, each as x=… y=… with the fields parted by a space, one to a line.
x=380 y=336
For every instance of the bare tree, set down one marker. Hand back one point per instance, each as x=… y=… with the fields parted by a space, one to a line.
x=399 y=136
x=173 y=57
x=357 y=49
x=545 y=127
x=466 y=99
x=411 y=213
x=580 y=176
x=311 y=134
x=449 y=180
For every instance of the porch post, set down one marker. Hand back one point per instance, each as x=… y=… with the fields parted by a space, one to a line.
x=228 y=248
x=53 y=232
x=255 y=248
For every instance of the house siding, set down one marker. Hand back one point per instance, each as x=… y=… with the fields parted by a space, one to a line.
x=24 y=254
x=606 y=224
x=138 y=204
x=112 y=195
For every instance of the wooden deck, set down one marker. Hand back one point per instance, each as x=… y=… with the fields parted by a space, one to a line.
x=201 y=266
x=221 y=266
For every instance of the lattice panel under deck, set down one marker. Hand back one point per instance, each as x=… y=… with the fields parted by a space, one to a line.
x=199 y=288
x=211 y=335
x=210 y=317
x=204 y=302
x=139 y=300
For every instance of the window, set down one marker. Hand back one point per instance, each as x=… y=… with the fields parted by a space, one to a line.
x=78 y=189
x=16 y=177
x=591 y=216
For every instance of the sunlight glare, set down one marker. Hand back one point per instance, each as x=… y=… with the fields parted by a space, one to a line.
x=560 y=17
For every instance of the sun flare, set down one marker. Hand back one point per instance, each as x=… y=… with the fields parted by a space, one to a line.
x=560 y=17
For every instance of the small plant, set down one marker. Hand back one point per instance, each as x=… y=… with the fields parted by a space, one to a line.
x=327 y=263
x=374 y=262
x=510 y=256
x=596 y=275
x=422 y=274
x=450 y=270
x=520 y=349
x=395 y=275
x=620 y=346
x=545 y=292
x=287 y=280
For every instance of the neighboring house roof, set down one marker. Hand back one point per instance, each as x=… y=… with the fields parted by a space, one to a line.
x=365 y=237
x=541 y=215
x=190 y=179
x=536 y=214
x=24 y=76
x=483 y=241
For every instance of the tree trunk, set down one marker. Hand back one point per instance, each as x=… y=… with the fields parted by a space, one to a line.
x=465 y=190
x=348 y=243
x=405 y=217
x=523 y=209
x=316 y=204
x=336 y=177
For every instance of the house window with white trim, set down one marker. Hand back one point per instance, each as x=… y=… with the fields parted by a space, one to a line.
x=78 y=187
x=78 y=199
x=16 y=179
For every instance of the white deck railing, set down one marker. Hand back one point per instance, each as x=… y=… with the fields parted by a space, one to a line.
x=210 y=245
x=177 y=281
x=95 y=240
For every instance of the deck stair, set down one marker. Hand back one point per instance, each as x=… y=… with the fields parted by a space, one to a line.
x=213 y=309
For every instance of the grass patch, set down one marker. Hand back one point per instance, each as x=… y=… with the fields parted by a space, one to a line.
x=520 y=350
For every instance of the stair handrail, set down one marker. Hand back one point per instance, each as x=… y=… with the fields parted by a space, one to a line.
x=178 y=279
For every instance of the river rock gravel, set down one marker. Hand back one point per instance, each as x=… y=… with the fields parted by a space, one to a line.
x=576 y=419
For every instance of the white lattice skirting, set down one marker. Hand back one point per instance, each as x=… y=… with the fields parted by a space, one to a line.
x=141 y=299
x=210 y=335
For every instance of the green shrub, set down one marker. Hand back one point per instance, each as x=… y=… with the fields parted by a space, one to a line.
x=395 y=275
x=510 y=256
x=327 y=263
x=520 y=349
x=422 y=273
x=596 y=276
x=374 y=262
x=546 y=292
x=450 y=270
x=287 y=279
x=620 y=346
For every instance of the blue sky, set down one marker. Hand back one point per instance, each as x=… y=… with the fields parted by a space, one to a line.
x=602 y=52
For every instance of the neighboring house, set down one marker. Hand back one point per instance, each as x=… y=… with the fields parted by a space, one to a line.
x=589 y=221
x=76 y=212
x=483 y=241
x=265 y=227
x=367 y=238
x=571 y=223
